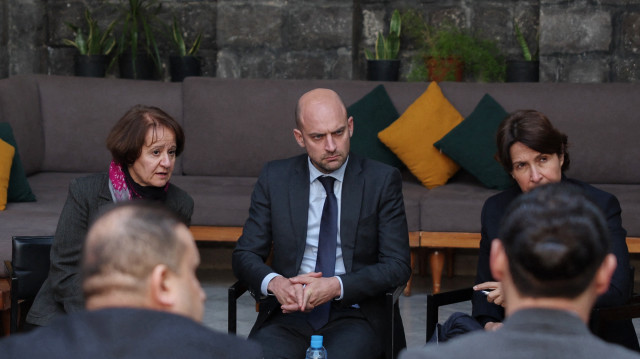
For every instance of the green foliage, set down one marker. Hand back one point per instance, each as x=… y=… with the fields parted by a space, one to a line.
x=387 y=48
x=481 y=57
x=178 y=40
x=96 y=42
x=139 y=23
x=526 y=52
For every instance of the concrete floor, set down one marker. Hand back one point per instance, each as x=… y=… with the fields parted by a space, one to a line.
x=413 y=308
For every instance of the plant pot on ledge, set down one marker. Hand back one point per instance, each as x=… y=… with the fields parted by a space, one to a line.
x=183 y=66
x=444 y=69
x=90 y=65
x=523 y=71
x=142 y=69
x=383 y=70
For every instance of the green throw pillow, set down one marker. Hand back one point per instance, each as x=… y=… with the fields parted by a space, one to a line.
x=371 y=114
x=19 y=189
x=472 y=144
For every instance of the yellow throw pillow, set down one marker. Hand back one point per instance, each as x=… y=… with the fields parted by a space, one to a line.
x=411 y=137
x=6 y=159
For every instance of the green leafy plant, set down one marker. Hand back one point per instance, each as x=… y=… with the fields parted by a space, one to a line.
x=96 y=42
x=387 y=48
x=139 y=23
x=526 y=52
x=178 y=40
x=480 y=57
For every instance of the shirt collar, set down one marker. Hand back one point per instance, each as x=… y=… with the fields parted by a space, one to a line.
x=315 y=173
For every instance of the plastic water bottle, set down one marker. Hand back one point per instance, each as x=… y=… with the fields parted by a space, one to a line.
x=316 y=350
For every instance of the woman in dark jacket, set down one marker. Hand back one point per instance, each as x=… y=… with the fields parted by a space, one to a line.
x=144 y=145
x=535 y=153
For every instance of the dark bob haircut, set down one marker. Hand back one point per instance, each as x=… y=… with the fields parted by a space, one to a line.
x=126 y=139
x=534 y=130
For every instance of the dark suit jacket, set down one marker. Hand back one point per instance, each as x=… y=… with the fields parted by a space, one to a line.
x=619 y=290
x=528 y=333
x=126 y=333
x=373 y=231
x=62 y=292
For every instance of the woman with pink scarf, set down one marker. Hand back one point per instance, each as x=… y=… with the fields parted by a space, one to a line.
x=144 y=145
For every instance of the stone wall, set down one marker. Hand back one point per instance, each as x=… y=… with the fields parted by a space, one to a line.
x=579 y=41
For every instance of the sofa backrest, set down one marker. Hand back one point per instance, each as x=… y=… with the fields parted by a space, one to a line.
x=235 y=126
x=19 y=107
x=601 y=120
x=78 y=113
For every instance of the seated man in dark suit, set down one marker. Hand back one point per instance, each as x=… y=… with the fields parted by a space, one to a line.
x=142 y=296
x=336 y=225
x=554 y=259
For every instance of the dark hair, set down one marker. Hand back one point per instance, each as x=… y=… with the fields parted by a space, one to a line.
x=534 y=130
x=126 y=243
x=126 y=139
x=555 y=240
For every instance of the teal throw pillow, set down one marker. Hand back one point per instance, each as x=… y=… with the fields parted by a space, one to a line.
x=371 y=114
x=472 y=144
x=19 y=189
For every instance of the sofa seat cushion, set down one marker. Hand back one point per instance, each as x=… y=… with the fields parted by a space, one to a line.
x=219 y=201
x=455 y=207
x=35 y=218
x=629 y=197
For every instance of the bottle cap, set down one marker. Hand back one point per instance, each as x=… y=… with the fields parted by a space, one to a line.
x=316 y=341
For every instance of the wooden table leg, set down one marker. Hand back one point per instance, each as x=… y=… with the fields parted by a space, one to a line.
x=407 y=289
x=436 y=260
x=5 y=305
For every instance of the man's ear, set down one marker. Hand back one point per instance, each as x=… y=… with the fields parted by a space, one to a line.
x=604 y=273
x=161 y=289
x=298 y=136
x=498 y=261
x=350 y=125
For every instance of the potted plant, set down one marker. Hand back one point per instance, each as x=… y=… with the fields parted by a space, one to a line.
x=93 y=49
x=138 y=54
x=526 y=69
x=383 y=65
x=185 y=62
x=447 y=53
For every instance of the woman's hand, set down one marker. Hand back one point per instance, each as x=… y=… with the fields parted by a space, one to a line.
x=491 y=326
x=493 y=291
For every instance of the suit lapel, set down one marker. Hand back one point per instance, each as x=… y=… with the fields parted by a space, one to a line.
x=352 y=192
x=299 y=205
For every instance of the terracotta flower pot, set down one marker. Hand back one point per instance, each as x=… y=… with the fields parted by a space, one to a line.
x=444 y=69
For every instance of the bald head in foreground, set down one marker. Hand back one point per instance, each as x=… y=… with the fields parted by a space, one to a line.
x=553 y=258
x=142 y=296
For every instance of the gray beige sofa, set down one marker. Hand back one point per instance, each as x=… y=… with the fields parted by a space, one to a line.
x=234 y=126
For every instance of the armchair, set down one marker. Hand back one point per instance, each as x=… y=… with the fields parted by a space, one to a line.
x=28 y=269
x=391 y=304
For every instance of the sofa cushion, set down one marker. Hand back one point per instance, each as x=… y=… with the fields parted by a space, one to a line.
x=596 y=117
x=6 y=159
x=19 y=190
x=83 y=111
x=411 y=137
x=372 y=114
x=472 y=144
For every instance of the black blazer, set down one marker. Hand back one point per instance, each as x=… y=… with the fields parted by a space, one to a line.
x=120 y=333
x=62 y=291
x=619 y=290
x=373 y=232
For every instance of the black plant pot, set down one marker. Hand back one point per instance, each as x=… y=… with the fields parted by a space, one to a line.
x=383 y=70
x=90 y=65
x=183 y=66
x=143 y=69
x=523 y=71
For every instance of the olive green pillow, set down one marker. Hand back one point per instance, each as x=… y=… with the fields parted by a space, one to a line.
x=19 y=189
x=472 y=144
x=371 y=114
